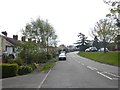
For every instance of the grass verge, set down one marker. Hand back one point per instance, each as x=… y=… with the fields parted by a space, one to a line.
x=111 y=58
x=47 y=66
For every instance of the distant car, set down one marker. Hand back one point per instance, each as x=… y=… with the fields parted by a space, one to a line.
x=102 y=50
x=62 y=56
x=91 y=49
x=87 y=50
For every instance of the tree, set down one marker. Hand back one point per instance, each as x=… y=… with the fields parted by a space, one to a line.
x=27 y=51
x=114 y=11
x=83 y=42
x=40 y=35
x=105 y=30
x=115 y=16
x=96 y=43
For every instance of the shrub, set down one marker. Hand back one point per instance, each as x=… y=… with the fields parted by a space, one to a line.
x=42 y=58
x=33 y=66
x=49 y=56
x=55 y=59
x=24 y=70
x=9 y=70
x=18 y=61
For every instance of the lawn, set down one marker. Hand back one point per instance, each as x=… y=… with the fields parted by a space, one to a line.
x=108 y=57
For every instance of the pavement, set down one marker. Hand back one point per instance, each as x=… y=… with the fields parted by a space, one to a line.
x=32 y=80
x=75 y=72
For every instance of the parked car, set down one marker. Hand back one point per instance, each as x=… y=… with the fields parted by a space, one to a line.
x=87 y=50
x=62 y=56
x=102 y=50
x=91 y=49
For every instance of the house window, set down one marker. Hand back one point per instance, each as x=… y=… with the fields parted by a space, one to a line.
x=6 y=48
x=13 y=49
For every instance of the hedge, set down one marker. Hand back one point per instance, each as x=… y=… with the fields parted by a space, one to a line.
x=9 y=70
x=24 y=70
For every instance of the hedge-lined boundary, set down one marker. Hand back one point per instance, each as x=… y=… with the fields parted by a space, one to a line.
x=24 y=70
x=9 y=70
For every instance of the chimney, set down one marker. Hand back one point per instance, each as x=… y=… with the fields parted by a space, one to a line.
x=4 y=33
x=15 y=37
x=29 y=39
x=23 y=38
x=34 y=41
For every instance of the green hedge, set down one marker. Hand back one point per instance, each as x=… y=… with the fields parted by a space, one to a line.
x=24 y=70
x=16 y=60
x=9 y=70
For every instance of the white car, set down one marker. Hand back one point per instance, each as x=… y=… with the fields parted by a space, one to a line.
x=62 y=56
x=102 y=50
x=91 y=49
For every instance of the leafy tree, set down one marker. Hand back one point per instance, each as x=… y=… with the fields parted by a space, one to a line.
x=40 y=35
x=96 y=43
x=27 y=51
x=114 y=11
x=83 y=42
x=115 y=16
x=105 y=30
x=117 y=41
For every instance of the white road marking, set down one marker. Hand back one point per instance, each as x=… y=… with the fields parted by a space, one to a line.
x=105 y=75
x=83 y=64
x=112 y=74
x=92 y=68
x=44 y=79
x=77 y=61
x=115 y=78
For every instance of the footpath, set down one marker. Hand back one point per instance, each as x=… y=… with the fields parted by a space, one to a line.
x=32 y=80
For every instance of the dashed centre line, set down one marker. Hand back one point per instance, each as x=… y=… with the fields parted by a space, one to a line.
x=92 y=68
x=112 y=74
x=83 y=64
x=105 y=75
x=101 y=73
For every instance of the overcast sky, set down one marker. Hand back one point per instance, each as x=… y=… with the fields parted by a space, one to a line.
x=68 y=17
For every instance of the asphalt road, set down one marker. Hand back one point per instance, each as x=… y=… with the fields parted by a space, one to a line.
x=79 y=72
x=75 y=72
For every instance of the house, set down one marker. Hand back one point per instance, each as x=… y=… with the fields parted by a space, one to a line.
x=7 y=45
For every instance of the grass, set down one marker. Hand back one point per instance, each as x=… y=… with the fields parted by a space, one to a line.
x=55 y=59
x=108 y=57
x=47 y=66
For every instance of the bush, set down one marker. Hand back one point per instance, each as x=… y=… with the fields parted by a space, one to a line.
x=9 y=70
x=24 y=70
x=49 y=56
x=16 y=60
x=55 y=59
x=42 y=58
x=33 y=66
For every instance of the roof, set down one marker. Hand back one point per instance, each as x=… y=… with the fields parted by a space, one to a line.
x=11 y=40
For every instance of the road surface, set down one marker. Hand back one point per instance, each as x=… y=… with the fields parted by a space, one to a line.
x=75 y=72
x=79 y=72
